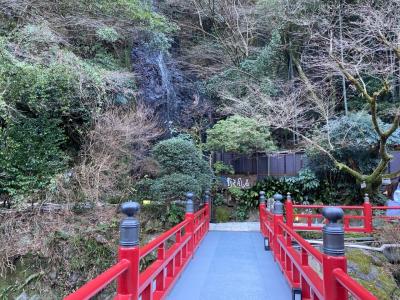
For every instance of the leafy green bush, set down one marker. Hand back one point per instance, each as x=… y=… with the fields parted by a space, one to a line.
x=222 y=214
x=305 y=186
x=175 y=215
x=30 y=154
x=180 y=155
x=218 y=199
x=353 y=140
x=182 y=170
x=221 y=168
x=107 y=34
x=67 y=88
x=236 y=193
x=239 y=134
x=241 y=213
x=174 y=187
x=243 y=205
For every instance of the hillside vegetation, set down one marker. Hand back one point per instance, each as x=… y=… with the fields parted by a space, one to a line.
x=103 y=101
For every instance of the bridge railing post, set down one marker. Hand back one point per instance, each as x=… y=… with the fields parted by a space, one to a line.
x=128 y=282
x=207 y=204
x=367 y=211
x=278 y=217
x=333 y=254
x=289 y=211
x=189 y=215
x=261 y=208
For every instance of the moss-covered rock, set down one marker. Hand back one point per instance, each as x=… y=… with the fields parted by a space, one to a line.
x=372 y=271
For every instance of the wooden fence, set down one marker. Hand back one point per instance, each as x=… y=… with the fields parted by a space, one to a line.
x=276 y=164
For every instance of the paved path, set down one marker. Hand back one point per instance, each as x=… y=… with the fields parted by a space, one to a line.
x=231 y=266
x=235 y=226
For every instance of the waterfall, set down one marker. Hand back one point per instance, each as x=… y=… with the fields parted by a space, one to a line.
x=162 y=86
x=168 y=87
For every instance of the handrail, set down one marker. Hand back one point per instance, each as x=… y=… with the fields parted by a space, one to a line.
x=367 y=213
x=199 y=213
x=156 y=268
x=352 y=286
x=312 y=206
x=96 y=285
x=312 y=278
x=385 y=207
x=152 y=245
x=327 y=282
x=157 y=279
x=174 y=259
x=301 y=241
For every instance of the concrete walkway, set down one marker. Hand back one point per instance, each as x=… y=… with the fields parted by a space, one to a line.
x=231 y=266
x=235 y=226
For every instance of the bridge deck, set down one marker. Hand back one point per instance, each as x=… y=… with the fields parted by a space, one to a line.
x=231 y=266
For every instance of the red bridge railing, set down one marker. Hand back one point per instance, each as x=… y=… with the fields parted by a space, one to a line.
x=311 y=274
x=173 y=248
x=356 y=218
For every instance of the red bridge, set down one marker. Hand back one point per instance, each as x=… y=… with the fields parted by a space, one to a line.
x=223 y=269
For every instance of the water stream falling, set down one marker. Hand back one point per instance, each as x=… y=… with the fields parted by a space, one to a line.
x=162 y=85
x=168 y=87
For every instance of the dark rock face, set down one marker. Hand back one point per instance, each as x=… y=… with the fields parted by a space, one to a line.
x=163 y=87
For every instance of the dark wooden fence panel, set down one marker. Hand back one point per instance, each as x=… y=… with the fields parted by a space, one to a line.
x=277 y=164
x=274 y=164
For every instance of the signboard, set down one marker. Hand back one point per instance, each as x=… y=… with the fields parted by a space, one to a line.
x=240 y=181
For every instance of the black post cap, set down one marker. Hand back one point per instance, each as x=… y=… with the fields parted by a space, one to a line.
x=130 y=208
x=262 y=197
x=278 y=206
x=333 y=232
x=332 y=214
x=189 y=202
x=207 y=197
x=130 y=226
x=278 y=197
x=366 y=198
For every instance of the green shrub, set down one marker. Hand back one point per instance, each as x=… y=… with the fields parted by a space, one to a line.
x=107 y=34
x=241 y=213
x=218 y=199
x=180 y=155
x=236 y=193
x=305 y=186
x=354 y=142
x=175 y=215
x=67 y=88
x=182 y=169
x=174 y=187
x=222 y=214
x=221 y=168
x=30 y=154
x=239 y=134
